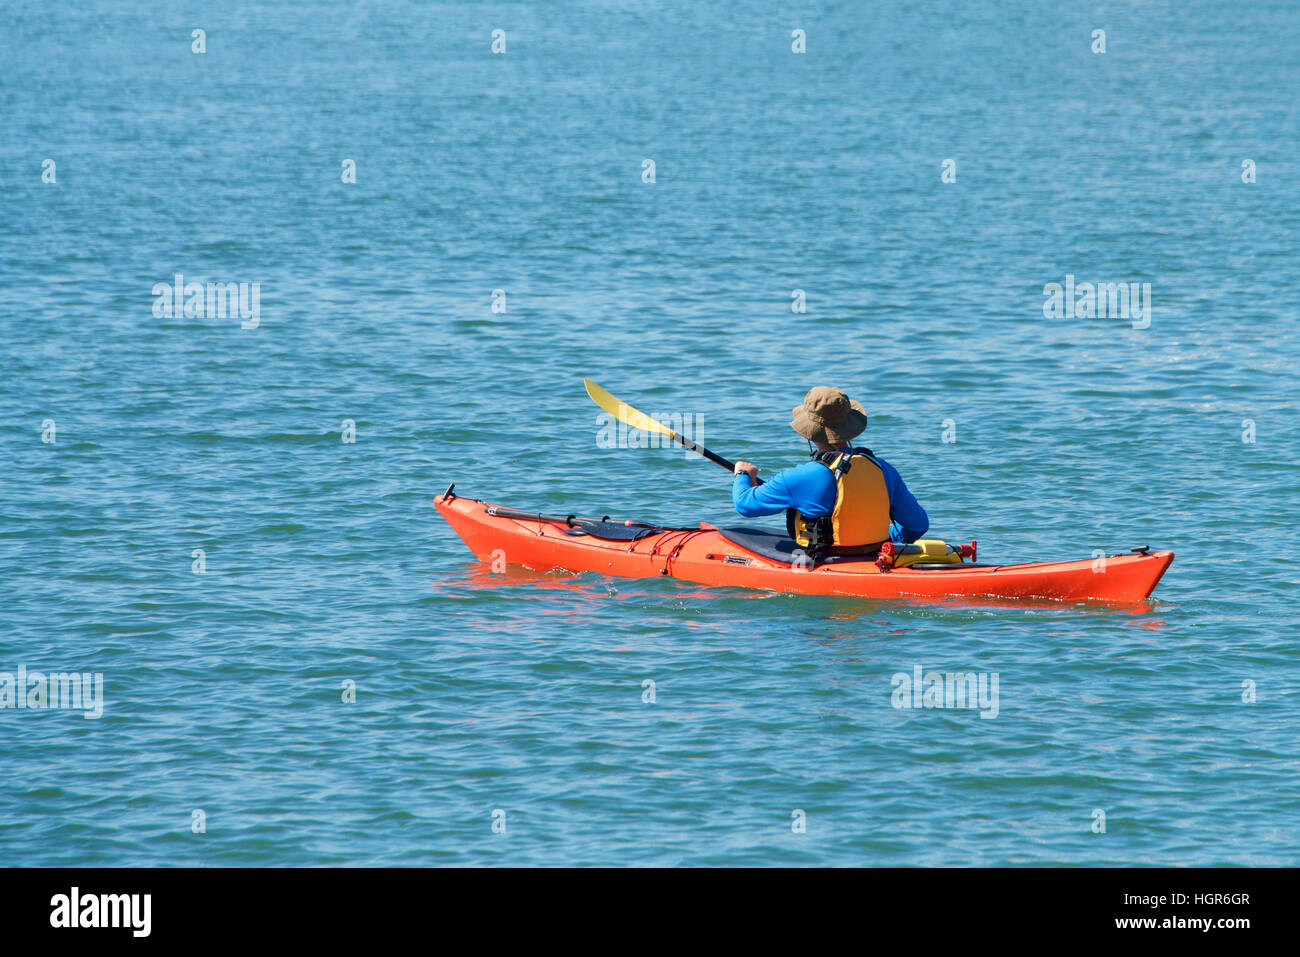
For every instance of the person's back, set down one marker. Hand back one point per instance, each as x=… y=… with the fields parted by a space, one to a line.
x=846 y=497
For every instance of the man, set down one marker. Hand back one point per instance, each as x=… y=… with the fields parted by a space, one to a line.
x=845 y=499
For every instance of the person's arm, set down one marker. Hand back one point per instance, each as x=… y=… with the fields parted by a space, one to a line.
x=752 y=500
x=908 y=519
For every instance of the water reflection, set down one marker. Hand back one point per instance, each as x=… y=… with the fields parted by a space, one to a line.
x=477 y=576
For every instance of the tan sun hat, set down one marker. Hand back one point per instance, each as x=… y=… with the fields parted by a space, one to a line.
x=828 y=415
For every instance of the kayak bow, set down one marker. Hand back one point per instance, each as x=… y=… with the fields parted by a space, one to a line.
x=747 y=558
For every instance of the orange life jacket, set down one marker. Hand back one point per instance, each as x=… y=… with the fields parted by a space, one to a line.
x=861 y=515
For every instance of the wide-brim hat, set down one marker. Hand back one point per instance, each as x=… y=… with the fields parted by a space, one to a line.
x=828 y=415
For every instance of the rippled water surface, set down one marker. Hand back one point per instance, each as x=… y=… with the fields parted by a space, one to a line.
x=325 y=562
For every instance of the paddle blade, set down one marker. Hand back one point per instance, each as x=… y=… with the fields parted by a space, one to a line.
x=620 y=410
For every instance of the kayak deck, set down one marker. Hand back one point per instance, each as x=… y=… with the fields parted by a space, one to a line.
x=704 y=555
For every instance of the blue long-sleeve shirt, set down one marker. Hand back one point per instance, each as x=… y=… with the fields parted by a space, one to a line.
x=810 y=488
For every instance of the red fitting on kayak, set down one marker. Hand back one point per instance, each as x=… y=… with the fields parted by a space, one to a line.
x=885 y=560
x=966 y=551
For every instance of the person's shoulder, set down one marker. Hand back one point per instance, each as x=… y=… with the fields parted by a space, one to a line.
x=807 y=467
x=811 y=471
x=884 y=465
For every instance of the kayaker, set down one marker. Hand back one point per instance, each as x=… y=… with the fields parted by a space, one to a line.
x=846 y=498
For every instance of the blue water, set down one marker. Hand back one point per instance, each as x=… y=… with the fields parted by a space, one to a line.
x=325 y=562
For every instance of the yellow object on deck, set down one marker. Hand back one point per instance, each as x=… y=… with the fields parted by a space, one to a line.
x=933 y=551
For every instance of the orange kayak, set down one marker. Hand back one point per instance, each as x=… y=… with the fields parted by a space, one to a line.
x=755 y=558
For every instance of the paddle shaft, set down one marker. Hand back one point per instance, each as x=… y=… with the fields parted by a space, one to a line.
x=711 y=456
x=639 y=420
